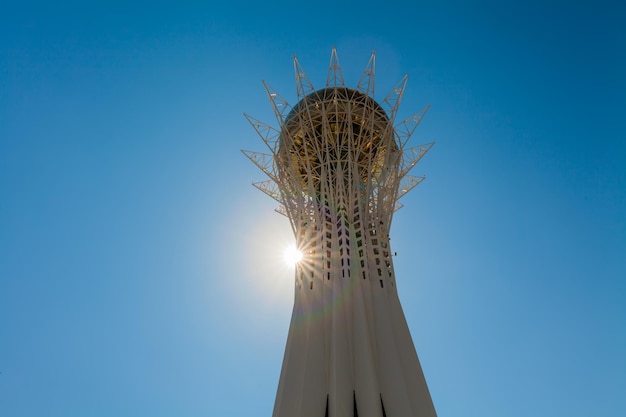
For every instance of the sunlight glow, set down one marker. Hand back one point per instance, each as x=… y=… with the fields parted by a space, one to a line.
x=292 y=255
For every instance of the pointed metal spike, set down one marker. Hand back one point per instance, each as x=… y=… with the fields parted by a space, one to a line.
x=279 y=104
x=391 y=103
x=264 y=161
x=411 y=156
x=281 y=210
x=366 y=83
x=304 y=87
x=405 y=129
x=269 y=187
x=269 y=135
x=335 y=76
x=407 y=184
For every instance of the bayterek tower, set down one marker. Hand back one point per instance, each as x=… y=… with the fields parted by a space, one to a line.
x=338 y=165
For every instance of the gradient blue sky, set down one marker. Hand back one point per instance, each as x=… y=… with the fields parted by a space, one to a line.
x=141 y=274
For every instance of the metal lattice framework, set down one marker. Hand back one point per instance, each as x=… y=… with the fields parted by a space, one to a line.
x=338 y=165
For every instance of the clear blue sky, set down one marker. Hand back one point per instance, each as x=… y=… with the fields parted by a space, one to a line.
x=141 y=274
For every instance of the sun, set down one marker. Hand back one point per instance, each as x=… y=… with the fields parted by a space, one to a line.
x=292 y=255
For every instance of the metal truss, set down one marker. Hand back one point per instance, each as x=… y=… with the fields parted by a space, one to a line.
x=338 y=130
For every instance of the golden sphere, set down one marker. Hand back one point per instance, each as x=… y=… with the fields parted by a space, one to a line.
x=340 y=129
